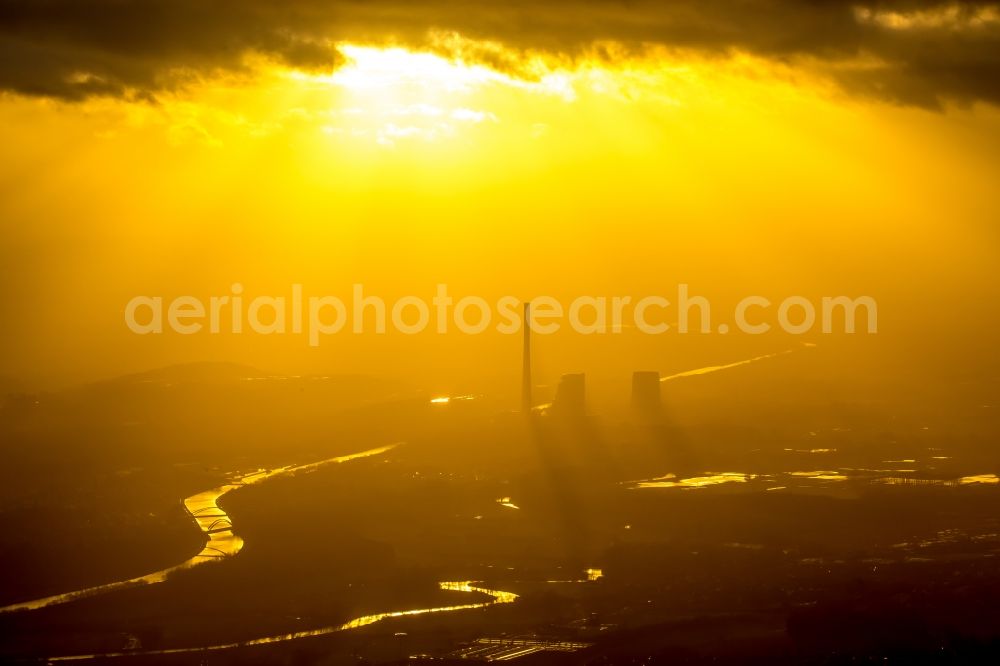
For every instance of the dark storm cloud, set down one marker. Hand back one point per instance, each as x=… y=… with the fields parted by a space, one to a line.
x=75 y=48
x=928 y=50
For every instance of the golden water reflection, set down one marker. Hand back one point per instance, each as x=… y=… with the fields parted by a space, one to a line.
x=789 y=480
x=979 y=478
x=204 y=509
x=495 y=597
x=822 y=475
x=709 y=479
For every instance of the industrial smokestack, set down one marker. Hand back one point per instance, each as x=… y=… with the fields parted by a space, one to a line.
x=526 y=362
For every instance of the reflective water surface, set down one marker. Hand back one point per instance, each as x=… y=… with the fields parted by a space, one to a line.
x=916 y=470
x=204 y=509
x=495 y=597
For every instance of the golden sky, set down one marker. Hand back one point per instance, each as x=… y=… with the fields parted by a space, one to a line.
x=519 y=148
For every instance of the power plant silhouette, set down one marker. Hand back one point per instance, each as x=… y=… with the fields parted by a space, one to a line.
x=571 y=393
x=646 y=391
x=526 y=403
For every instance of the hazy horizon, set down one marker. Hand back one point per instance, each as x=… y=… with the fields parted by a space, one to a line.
x=268 y=272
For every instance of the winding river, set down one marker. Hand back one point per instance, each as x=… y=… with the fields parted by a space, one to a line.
x=495 y=597
x=204 y=509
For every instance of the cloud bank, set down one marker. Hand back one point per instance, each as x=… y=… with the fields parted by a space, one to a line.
x=906 y=51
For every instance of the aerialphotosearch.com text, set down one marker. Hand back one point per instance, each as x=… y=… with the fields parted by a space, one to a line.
x=319 y=316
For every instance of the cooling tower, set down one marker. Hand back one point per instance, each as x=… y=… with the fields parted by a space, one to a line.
x=571 y=395
x=646 y=391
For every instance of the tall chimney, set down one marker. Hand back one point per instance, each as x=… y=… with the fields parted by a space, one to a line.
x=526 y=362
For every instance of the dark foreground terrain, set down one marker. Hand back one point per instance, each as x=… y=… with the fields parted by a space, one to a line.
x=631 y=539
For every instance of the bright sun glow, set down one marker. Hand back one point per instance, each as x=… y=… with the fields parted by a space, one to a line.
x=379 y=70
x=397 y=94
